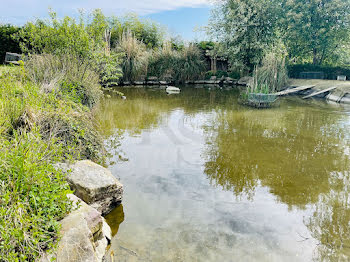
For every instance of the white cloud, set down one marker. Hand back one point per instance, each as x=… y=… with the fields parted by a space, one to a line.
x=142 y=7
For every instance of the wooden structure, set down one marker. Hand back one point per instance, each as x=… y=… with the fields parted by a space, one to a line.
x=12 y=58
x=324 y=91
x=295 y=90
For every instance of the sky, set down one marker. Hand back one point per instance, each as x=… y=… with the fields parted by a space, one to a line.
x=181 y=17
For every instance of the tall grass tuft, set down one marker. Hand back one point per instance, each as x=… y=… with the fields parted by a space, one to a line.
x=135 y=60
x=65 y=75
x=182 y=65
x=271 y=76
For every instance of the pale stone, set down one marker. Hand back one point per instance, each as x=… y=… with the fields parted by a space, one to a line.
x=82 y=238
x=95 y=185
x=106 y=230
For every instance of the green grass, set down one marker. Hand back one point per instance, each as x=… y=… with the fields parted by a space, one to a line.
x=37 y=130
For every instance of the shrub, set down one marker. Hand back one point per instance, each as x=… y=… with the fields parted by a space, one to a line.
x=183 y=65
x=209 y=74
x=86 y=43
x=221 y=73
x=329 y=72
x=7 y=41
x=234 y=74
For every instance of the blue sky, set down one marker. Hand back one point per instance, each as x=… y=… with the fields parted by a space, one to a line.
x=181 y=17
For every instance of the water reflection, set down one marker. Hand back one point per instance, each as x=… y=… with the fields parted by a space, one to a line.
x=208 y=179
x=292 y=151
x=115 y=218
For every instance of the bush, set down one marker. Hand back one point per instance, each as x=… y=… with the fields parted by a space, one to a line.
x=219 y=74
x=234 y=74
x=209 y=74
x=185 y=64
x=86 y=43
x=329 y=72
x=7 y=42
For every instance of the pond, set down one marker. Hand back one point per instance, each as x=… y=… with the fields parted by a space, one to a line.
x=207 y=179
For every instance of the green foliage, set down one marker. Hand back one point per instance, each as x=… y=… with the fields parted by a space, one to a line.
x=7 y=41
x=234 y=74
x=206 y=45
x=219 y=74
x=65 y=75
x=183 y=65
x=271 y=76
x=246 y=28
x=89 y=43
x=144 y=30
x=330 y=72
x=39 y=127
x=313 y=30
x=33 y=196
x=135 y=56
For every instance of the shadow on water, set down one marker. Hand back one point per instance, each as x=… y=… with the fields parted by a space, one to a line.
x=115 y=218
x=205 y=178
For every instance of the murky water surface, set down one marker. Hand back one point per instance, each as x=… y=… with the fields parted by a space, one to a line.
x=206 y=179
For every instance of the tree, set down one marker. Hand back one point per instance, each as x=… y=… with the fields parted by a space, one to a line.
x=7 y=42
x=145 y=30
x=247 y=28
x=314 y=29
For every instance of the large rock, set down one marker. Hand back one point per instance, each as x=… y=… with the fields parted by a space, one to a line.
x=82 y=237
x=95 y=185
x=244 y=80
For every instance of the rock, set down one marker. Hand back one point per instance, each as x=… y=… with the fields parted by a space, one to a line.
x=139 y=83
x=106 y=230
x=152 y=78
x=244 y=80
x=95 y=185
x=163 y=82
x=152 y=83
x=82 y=236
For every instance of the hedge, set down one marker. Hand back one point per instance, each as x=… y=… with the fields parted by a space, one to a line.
x=7 y=43
x=331 y=73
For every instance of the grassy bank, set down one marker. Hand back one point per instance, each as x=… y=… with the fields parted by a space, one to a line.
x=39 y=126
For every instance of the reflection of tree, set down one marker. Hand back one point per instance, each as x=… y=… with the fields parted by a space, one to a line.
x=299 y=155
x=291 y=152
x=330 y=222
x=145 y=108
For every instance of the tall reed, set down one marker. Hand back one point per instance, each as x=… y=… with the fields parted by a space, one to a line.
x=271 y=76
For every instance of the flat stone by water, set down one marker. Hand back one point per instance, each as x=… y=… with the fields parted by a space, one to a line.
x=95 y=185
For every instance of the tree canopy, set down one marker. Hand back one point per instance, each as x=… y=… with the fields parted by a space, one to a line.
x=311 y=31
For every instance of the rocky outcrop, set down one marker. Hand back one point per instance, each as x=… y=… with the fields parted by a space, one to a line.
x=84 y=235
x=95 y=185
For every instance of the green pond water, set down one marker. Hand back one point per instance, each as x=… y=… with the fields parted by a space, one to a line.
x=207 y=179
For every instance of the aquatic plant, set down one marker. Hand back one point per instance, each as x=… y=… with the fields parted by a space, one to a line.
x=271 y=76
